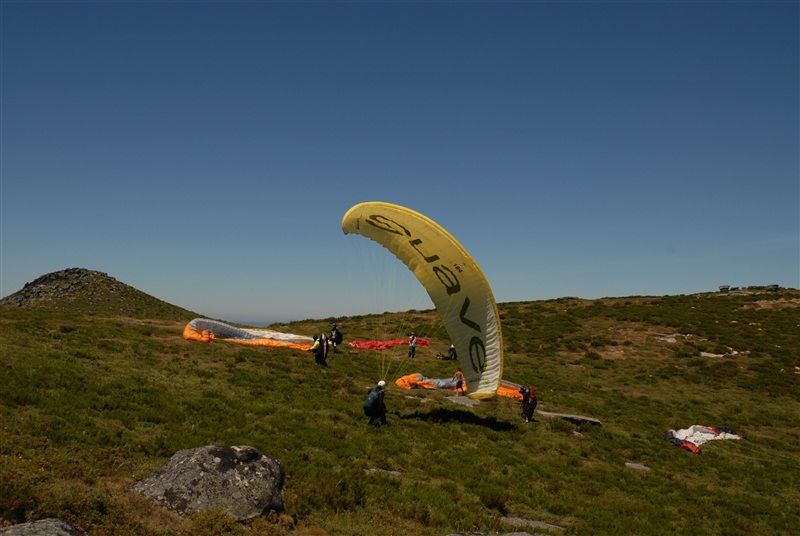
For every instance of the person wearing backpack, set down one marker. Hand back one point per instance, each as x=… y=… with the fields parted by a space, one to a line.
x=336 y=337
x=374 y=407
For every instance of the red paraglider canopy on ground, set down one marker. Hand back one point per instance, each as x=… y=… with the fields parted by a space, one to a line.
x=383 y=345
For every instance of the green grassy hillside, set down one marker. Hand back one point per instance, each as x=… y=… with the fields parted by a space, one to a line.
x=92 y=400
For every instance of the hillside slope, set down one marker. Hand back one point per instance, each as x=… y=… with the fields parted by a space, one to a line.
x=91 y=403
x=91 y=292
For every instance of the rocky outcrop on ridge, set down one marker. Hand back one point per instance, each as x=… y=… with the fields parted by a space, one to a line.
x=65 y=285
x=90 y=291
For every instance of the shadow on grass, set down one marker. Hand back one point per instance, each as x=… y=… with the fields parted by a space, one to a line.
x=442 y=415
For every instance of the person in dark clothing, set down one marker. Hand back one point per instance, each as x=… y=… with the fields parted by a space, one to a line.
x=528 y=402
x=320 y=350
x=335 y=338
x=451 y=353
x=374 y=406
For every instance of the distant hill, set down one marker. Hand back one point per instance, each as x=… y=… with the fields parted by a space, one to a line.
x=92 y=292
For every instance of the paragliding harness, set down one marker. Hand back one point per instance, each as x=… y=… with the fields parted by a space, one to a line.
x=321 y=353
x=374 y=408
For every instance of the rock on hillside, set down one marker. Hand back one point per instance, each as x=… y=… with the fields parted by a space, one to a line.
x=89 y=291
x=240 y=480
x=44 y=527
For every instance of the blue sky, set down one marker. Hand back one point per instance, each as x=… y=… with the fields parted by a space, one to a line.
x=205 y=152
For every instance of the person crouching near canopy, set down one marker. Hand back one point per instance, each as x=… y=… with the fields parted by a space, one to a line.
x=374 y=407
x=452 y=355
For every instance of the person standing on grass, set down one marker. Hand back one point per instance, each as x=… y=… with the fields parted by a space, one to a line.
x=336 y=337
x=528 y=402
x=315 y=348
x=374 y=406
x=412 y=345
x=320 y=350
x=459 y=378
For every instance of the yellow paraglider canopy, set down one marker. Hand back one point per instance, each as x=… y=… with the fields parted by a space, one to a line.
x=453 y=280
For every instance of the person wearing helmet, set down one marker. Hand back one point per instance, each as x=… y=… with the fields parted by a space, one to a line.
x=374 y=407
x=451 y=353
